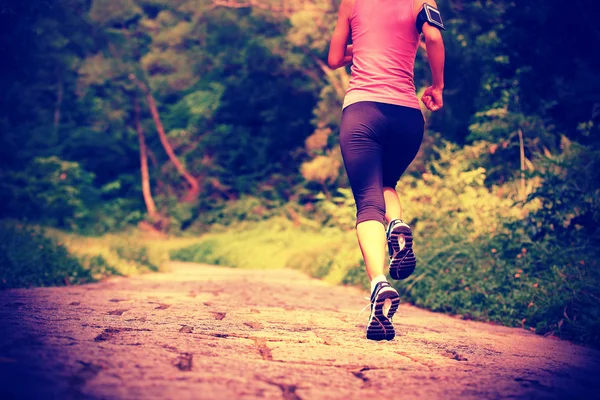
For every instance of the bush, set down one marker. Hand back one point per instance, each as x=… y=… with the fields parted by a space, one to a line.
x=562 y=243
x=49 y=189
x=29 y=258
x=451 y=196
x=199 y=252
x=54 y=192
x=247 y=208
x=485 y=257
x=111 y=254
x=108 y=215
x=265 y=245
x=32 y=256
x=510 y=279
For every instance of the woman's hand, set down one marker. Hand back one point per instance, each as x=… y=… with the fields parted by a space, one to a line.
x=433 y=98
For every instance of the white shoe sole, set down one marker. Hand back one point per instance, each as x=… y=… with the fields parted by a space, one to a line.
x=402 y=261
x=380 y=323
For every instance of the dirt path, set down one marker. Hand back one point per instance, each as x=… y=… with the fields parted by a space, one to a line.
x=203 y=332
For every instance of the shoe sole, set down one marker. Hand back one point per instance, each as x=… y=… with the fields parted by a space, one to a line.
x=380 y=326
x=403 y=262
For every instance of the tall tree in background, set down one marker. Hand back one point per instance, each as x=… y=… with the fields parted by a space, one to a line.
x=193 y=182
x=121 y=25
x=146 y=189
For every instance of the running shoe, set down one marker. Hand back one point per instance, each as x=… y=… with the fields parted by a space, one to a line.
x=384 y=303
x=402 y=257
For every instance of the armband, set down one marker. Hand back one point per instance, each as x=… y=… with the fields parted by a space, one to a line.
x=430 y=15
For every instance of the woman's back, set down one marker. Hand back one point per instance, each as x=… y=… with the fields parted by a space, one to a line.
x=385 y=42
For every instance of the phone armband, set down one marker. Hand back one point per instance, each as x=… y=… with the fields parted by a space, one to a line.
x=430 y=15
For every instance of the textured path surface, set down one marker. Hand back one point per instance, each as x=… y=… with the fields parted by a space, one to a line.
x=203 y=332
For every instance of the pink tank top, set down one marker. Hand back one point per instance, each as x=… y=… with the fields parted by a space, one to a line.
x=385 y=45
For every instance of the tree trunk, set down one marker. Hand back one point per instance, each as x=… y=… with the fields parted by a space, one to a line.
x=522 y=156
x=59 y=100
x=150 y=206
x=194 y=186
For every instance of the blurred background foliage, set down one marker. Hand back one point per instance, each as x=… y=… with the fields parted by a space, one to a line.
x=216 y=124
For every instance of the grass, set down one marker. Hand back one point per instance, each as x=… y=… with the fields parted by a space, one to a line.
x=32 y=256
x=270 y=244
x=29 y=258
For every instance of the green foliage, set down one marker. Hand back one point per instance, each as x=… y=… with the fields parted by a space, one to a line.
x=49 y=189
x=510 y=279
x=312 y=27
x=248 y=208
x=110 y=215
x=139 y=255
x=569 y=197
x=452 y=196
x=195 y=109
x=335 y=261
x=264 y=245
x=339 y=210
x=536 y=270
x=484 y=257
x=264 y=111
x=114 y=254
x=29 y=258
x=200 y=253
x=116 y=14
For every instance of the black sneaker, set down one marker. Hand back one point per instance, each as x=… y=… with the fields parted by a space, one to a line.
x=384 y=303
x=402 y=257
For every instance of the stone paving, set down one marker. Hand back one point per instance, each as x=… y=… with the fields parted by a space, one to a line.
x=203 y=332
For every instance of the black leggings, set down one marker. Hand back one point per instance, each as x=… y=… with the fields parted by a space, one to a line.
x=378 y=141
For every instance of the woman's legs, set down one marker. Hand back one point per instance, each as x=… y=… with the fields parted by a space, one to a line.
x=365 y=142
x=401 y=147
x=378 y=142
x=361 y=127
x=372 y=242
x=393 y=208
x=371 y=235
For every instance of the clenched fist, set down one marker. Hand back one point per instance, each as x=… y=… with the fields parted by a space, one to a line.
x=433 y=98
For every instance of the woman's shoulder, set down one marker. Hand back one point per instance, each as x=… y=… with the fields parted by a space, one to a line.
x=347 y=7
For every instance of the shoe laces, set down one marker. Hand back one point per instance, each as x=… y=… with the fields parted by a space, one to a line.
x=367 y=306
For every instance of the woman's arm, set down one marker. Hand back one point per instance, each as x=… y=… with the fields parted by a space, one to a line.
x=433 y=98
x=340 y=53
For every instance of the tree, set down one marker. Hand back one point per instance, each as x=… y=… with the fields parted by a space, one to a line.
x=194 y=187
x=125 y=42
x=146 y=190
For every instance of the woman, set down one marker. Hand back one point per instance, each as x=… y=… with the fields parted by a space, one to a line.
x=382 y=129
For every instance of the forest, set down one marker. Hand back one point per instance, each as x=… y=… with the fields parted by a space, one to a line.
x=137 y=131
